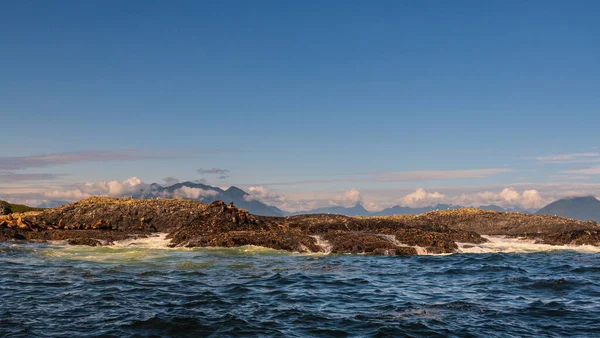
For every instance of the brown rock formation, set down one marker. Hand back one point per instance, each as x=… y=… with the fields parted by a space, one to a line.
x=97 y=221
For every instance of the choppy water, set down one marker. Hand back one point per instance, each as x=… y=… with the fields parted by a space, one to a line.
x=140 y=289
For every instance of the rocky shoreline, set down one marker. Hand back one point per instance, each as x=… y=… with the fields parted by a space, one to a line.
x=103 y=220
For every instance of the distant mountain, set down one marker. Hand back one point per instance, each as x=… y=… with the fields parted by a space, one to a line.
x=398 y=210
x=581 y=208
x=492 y=207
x=53 y=204
x=208 y=194
x=498 y=208
x=357 y=210
x=197 y=192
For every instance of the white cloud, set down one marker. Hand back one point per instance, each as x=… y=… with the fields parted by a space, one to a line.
x=510 y=195
x=532 y=199
x=507 y=198
x=263 y=194
x=422 y=198
x=111 y=188
x=193 y=193
x=347 y=198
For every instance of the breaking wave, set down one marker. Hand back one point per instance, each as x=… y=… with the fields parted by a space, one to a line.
x=497 y=244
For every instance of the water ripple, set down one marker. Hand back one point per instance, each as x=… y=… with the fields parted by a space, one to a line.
x=48 y=290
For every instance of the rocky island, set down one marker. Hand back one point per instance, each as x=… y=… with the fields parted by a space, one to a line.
x=102 y=220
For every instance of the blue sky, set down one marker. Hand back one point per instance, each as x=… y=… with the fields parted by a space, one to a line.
x=324 y=97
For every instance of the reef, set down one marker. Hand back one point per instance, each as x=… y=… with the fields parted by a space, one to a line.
x=102 y=220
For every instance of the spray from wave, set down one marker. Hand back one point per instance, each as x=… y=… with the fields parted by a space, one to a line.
x=502 y=244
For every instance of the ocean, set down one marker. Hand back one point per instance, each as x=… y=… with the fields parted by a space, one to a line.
x=141 y=288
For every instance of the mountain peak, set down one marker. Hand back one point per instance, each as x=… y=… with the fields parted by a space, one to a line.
x=582 y=208
x=358 y=206
x=236 y=192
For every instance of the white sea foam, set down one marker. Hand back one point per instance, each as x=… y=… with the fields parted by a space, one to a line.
x=504 y=244
x=322 y=243
x=392 y=238
x=155 y=241
x=147 y=249
x=156 y=247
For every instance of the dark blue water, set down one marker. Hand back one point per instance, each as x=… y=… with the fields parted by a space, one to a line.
x=50 y=290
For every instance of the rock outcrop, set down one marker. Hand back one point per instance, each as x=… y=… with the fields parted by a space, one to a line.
x=101 y=221
x=5 y=208
x=553 y=230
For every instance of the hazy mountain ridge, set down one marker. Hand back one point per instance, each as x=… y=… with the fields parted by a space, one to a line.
x=356 y=210
x=582 y=208
x=359 y=210
x=209 y=194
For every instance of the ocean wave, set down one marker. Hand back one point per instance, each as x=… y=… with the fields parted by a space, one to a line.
x=228 y=292
x=503 y=244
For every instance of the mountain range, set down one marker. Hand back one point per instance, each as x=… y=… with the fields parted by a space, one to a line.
x=582 y=208
x=359 y=210
x=208 y=194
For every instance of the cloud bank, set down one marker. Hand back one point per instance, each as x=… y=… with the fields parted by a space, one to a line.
x=595 y=170
x=507 y=198
x=220 y=173
x=403 y=176
x=571 y=158
x=47 y=160
x=8 y=176
x=520 y=195
x=191 y=193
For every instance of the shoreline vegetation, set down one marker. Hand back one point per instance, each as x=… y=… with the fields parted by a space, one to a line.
x=103 y=220
x=11 y=208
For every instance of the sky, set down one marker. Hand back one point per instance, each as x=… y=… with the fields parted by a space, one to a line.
x=303 y=103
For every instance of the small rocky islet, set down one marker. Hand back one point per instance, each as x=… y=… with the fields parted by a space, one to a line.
x=103 y=220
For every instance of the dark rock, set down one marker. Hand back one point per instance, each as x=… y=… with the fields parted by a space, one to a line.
x=5 y=208
x=364 y=243
x=575 y=237
x=8 y=234
x=84 y=241
x=503 y=223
